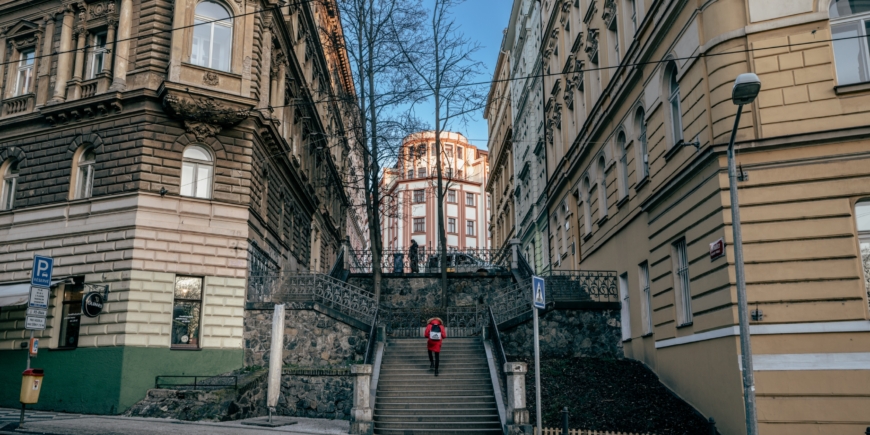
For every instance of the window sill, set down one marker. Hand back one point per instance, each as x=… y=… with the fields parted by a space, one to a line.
x=602 y=220
x=626 y=340
x=684 y=325
x=674 y=150
x=587 y=236
x=217 y=71
x=648 y=334
x=642 y=182
x=855 y=87
x=622 y=201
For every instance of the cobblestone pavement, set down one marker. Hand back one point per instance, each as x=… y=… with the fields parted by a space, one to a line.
x=52 y=423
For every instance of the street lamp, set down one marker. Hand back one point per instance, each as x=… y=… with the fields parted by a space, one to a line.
x=745 y=90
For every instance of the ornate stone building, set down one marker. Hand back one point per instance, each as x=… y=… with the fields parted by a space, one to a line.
x=638 y=118
x=500 y=184
x=181 y=153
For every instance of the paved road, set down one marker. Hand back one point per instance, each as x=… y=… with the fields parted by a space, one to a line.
x=49 y=423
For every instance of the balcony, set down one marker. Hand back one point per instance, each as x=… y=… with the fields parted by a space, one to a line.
x=18 y=105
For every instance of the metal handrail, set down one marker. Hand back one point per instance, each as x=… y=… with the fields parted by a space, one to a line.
x=197 y=384
x=337 y=269
x=370 y=346
x=497 y=346
x=429 y=260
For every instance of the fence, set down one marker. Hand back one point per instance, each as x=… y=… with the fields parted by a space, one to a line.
x=581 y=285
x=552 y=431
x=410 y=322
x=428 y=261
x=199 y=382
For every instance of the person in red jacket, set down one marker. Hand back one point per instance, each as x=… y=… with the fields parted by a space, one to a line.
x=435 y=334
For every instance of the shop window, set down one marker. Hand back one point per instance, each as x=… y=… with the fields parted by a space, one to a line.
x=850 y=27
x=71 y=316
x=212 y=36
x=187 y=312
x=196 y=172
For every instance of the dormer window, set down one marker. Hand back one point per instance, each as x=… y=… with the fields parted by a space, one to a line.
x=212 y=36
x=24 y=80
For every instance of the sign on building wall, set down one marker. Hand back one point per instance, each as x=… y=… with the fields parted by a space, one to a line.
x=717 y=249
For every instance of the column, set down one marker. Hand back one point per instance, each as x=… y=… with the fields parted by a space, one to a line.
x=110 y=45
x=64 y=59
x=44 y=70
x=266 y=67
x=361 y=413
x=3 y=68
x=517 y=414
x=74 y=92
x=278 y=97
x=122 y=46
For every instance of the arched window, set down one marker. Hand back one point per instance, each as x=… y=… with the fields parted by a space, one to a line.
x=623 y=163
x=212 y=36
x=850 y=26
x=196 y=172
x=862 y=218
x=602 y=188
x=85 y=173
x=676 y=114
x=587 y=209
x=643 y=154
x=9 y=171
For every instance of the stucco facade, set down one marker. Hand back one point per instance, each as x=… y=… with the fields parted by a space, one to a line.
x=638 y=124
x=500 y=183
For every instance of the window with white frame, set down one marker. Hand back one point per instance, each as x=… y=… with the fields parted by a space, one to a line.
x=632 y=10
x=197 y=169
x=643 y=154
x=623 y=164
x=681 y=283
x=862 y=217
x=212 y=36
x=645 y=298
x=850 y=29
x=98 y=54
x=85 y=174
x=24 y=79
x=10 y=184
x=676 y=113
x=469 y=228
x=613 y=35
x=625 y=313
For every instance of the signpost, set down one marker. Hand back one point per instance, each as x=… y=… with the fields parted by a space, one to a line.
x=37 y=305
x=539 y=302
x=41 y=276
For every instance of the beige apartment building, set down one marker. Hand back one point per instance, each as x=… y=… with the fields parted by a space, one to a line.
x=638 y=117
x=500 y=184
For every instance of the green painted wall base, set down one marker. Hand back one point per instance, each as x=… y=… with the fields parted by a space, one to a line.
x=106 y=380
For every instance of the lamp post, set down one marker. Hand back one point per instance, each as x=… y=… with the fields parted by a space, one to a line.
x=746 y=88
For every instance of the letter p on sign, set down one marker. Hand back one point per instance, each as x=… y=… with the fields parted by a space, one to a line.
x=41 y=275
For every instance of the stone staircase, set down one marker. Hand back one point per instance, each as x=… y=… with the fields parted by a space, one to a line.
x=410 y=400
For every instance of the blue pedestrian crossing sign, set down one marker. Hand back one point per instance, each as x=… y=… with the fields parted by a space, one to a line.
x=41 y=275
x=539 y=292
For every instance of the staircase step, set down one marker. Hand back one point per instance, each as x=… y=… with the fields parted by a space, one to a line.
x=423 y=410
x=435 y=389
x=495 y=424
x=413 y=395
x=447 y=418
x=437 y=431
x=434 y=382
x=437 y=402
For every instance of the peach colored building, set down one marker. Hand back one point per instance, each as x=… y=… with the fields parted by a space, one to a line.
x=410 y=194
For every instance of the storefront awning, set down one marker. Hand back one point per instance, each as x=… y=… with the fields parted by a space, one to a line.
x=17 y=294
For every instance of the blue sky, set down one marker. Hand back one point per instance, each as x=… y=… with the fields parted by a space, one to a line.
x=482 y=21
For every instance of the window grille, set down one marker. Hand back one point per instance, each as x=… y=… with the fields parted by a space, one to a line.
x=681 y=283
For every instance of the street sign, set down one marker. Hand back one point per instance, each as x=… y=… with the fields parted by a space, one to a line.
x=41 y=275
x=34 y=323
x=539 y=293
x=37 y=312
x=39 y=297
x=717 y=249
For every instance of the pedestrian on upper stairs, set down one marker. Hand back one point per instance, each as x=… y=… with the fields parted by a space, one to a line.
x=412 y=256
x=435 y=334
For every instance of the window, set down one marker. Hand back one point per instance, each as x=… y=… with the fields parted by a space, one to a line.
x=862 y=216
x=623 y=164
x=419 y=225
x=613 y=34
x=196 y=172
x=469 y=199
x=212 y=36
x=488 y=201
x=850 y=20
x=587 y=209
x=448 y=150
x=451 y=225
x=460 y=153
x=434 y=150
x=410 y=173
x=98 y=57
x=632 y=4
x=419 y=195
x=625 y=314
x=643 y=157
x=186 y=312
x=24 y=80
x=85 y=174
x=449 y=173
x=421 y=172
x=71 y=316
x=681 y=283
x=10 y=184
x=674 y=99
x=602 y=188
x=645 y=298
x=469 y=228
x=451 y=196
x=421 y=150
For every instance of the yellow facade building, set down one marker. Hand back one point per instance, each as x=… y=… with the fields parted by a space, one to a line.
x=638 y=117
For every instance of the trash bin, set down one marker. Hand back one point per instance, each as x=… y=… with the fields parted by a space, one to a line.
x=31 y=384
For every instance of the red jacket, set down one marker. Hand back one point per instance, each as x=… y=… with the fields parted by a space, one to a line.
x=435 y=345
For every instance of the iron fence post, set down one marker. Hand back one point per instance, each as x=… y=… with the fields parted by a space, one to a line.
x=565 y=421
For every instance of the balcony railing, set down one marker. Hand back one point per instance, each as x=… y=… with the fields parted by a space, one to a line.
x=16 y=105
x=428 y=261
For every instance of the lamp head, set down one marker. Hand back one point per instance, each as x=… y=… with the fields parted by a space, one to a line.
x=746 y=88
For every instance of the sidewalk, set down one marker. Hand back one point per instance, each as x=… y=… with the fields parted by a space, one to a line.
x=54 y=423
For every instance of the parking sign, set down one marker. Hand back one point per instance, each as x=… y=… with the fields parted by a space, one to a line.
x=539 y=292
x=41 y=275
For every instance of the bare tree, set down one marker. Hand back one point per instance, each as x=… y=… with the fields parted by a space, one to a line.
x=372 y=29
x=442 y=60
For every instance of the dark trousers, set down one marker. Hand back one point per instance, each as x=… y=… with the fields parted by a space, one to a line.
x=436 y=359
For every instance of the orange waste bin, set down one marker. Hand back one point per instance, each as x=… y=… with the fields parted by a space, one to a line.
x=31 y=384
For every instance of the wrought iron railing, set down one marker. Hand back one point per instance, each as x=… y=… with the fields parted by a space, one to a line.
x=581 y=286
x=373 y=336
x=512 y=302
x=358 y=303
x=410 y=322
x=428 y=260
x=196 y=382
x=497 y=347
x=264 y=274
x=337 y=270
x=523 y=267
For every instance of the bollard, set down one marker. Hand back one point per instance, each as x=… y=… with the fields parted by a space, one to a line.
x=713 y=430
x=565 y=421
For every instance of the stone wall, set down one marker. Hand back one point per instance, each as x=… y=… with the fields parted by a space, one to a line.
x=569 y=333
x=311 y=339
x=316 y=396
x=425 y=291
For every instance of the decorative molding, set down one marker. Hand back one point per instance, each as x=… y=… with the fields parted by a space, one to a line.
x=211 y=78
x=201 y=130
x=772 y=329
x=204 y=110
x=591 y=47
x=609 y=12
x=809 y=361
